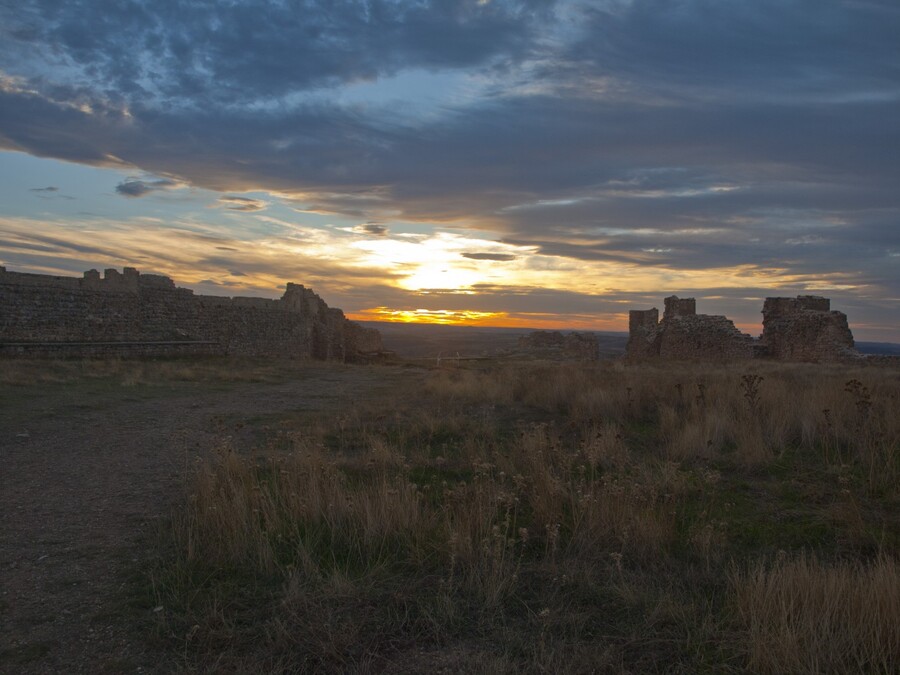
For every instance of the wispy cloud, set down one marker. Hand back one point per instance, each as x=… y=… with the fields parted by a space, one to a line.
x=394 y=278
x=496 y=257
x=140 y=188
x=247 y=204
x=372 y=229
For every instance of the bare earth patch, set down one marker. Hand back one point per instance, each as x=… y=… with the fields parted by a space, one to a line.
x=87 y=466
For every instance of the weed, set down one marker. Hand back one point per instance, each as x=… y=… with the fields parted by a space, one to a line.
x=750 y=390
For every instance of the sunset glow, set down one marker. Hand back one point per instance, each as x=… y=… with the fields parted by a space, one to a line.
x=512 y=164
x=439 y=316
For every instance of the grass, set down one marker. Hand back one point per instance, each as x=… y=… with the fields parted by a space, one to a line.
x=804 y=616
x=547 y=518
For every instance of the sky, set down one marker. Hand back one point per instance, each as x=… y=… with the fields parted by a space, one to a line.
x=539 y=163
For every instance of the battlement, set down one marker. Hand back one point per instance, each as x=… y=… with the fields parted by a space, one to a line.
x=784 y=306
x=132 y=308
x=129 y=280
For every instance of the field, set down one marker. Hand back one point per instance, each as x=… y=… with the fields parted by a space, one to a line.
x=481 y=516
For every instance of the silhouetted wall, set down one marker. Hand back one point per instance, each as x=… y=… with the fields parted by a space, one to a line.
x=133 y=308
x=794 y=329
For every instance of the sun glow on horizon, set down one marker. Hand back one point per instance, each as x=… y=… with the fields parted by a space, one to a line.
x=389 y=273
x=438 y=316
x=531 y=321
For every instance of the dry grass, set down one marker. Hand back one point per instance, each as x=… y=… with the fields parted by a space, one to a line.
x=547 y=518
x=756 y=411
x=804 y=616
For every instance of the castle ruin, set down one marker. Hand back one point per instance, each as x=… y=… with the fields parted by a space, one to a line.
x=136 y=314
x=804 y=328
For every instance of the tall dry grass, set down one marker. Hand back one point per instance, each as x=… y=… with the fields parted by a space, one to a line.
x=567 y=516
x=802 y=615
x=367 y=510
x=316 y=529
x=753 y=412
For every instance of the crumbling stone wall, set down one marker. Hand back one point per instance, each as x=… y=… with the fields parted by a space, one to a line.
x=713 y=337
x=805 y=329
x=676 y=308
x=643 y=333
x=684 y=334
x=794 y=329
x=144 y=309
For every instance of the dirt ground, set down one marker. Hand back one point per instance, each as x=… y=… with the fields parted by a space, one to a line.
x=88 y=467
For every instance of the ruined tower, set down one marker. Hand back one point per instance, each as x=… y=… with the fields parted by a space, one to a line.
x=805 y=329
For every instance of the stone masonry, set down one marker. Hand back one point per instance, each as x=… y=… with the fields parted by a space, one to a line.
x=146 y=314
x=806 y=329
x=794 y=329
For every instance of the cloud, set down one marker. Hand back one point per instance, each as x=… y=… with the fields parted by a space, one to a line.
x=140 y=188
x=498 y=257
x=233 y=203
x=373 y=229
x=782 y=50
x=170 y=52
x=50 y=193
x=189 y=252
x=667 y=138
x=598 y=294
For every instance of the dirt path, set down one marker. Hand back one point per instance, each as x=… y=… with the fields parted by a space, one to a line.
x=81 y=478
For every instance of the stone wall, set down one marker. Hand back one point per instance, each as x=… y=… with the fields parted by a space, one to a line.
x=643 y=333
x=676 y=308
x=713 y=337
x=684 y=334
x=794 y=329
x=805 y=329
x=131 y=308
